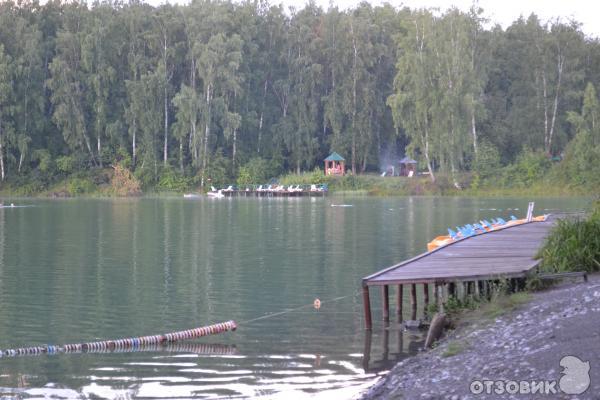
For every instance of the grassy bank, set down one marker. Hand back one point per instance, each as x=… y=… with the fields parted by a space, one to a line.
x=119 y=181
x=574 y=244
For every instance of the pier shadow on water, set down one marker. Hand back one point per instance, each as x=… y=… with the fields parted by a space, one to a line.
x=387 y=346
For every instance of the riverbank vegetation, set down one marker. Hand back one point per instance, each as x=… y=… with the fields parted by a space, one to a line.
x=574 y=244
x=220 y=92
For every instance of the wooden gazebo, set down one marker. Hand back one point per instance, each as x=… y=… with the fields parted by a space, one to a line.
x=408 y=166
x=335 y=164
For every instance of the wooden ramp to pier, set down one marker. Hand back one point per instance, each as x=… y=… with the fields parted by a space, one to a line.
x=504 y=253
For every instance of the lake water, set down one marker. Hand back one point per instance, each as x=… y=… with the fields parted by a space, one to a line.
x=84 y=270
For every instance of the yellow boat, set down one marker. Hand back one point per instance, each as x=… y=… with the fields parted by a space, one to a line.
x=439 y=241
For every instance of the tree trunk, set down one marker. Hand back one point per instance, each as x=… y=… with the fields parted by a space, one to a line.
x=2 y=175
x=98 y=140
x=234 y=149
x=473 y=126
x=89 y=148
x=429 y=168
x=354 y=78
x=560 y=64
x=353 y=154
x=234 y=144
x=262 y=111
x=166 y=143
x=193 y=117
x=166 y=104
x=99 y=146
x=452 y=152
x=545 y=101
x=133 y=144
x=206 y=133
x=181 y=155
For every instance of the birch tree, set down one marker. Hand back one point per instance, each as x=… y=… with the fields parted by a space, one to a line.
x=413 y=100
x=5 y=94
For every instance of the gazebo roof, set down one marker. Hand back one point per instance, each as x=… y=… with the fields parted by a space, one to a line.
x=407 y=160
x=335 y=157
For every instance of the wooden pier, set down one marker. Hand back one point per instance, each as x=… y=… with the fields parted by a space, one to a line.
x=506 y=253
x=273 y=190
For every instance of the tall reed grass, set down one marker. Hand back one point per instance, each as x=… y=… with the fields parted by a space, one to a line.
x=573 y=245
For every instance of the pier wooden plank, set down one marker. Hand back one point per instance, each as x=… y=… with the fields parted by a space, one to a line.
x=507 y=252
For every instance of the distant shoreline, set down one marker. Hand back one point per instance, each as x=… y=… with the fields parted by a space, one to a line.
x=368 y=184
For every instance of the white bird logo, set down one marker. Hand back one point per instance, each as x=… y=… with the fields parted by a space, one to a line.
x=576 y=375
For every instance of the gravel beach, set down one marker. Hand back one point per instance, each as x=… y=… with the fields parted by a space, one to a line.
x=524 y=348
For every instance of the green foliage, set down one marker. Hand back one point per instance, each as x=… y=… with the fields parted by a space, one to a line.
x=573 y=245
x=209 y=85
x=315 y=177
x=432 y=308
x=454 y=305
x=123 y=158
x=145 y=176
x=256 y=171
x=79 y=186
x=487 y=161
x=581 y=164
x=25 y=187
x=65 y=164
x=172 y=181
x=534 y=283
x=44 y=159
x=503 y=303
x=530 y=168
x=217 y=171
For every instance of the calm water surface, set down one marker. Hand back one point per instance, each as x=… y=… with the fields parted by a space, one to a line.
x=83 y=270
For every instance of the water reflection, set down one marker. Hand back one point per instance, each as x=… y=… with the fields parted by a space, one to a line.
x=195 y=348
x=79 y=270
x=404 y=344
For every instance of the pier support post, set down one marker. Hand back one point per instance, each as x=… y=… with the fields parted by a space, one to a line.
x=367 y=350
x=367 y=307
x=426 y=294
x=399 y=299
x=413 y=301
x=440 y=298
x=385 y=292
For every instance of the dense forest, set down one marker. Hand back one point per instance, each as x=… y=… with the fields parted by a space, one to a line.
x=216 y=88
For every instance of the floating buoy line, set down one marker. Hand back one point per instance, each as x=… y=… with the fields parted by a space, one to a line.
x=165 y=342
x=123 y=345
x=316 y=304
